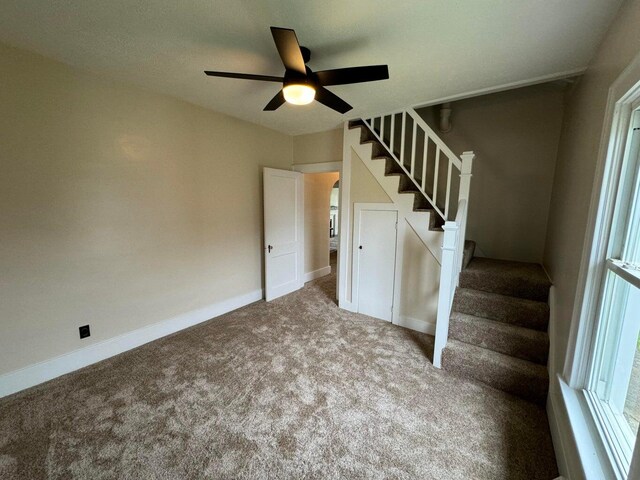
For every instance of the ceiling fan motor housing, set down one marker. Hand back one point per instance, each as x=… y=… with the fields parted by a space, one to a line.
x=291 y=77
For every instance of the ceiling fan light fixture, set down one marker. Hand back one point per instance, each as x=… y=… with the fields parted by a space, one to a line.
x=299 y=93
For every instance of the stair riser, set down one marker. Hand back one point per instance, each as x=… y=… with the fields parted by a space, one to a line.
x=534 y=315
x=504 y=286
x=392 y=167
x=531 y=349
x=467 y=253
x=530 y=387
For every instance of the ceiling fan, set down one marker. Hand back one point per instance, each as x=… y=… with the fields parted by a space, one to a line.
x=301 y=85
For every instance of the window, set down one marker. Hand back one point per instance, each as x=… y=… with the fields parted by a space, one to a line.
x=613 y=384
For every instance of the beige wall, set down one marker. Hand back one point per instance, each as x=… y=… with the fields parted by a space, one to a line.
x=420 y=279
x=118 y=207
x=515 y=137
x=318 y=147
x=317 y=193
x=573 y=184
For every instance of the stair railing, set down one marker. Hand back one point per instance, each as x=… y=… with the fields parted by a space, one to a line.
x=421 y=155
x=452 y=259
x=424 y=166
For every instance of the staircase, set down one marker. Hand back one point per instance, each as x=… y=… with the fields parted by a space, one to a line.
x=497 y=327
x=492 y=314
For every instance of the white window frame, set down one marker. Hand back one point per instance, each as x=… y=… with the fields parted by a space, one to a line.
x=612 y=457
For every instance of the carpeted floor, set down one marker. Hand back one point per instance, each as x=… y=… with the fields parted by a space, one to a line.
x=290 y=389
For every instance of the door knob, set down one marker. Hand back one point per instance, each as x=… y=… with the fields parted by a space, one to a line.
x=270 y=248
x=360 y=247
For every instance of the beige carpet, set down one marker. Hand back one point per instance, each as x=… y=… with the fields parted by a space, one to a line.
x=291 y=389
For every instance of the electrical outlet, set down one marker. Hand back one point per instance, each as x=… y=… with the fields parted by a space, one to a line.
x=84 y=331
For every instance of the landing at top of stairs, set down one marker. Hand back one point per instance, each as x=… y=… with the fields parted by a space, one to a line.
x=516 y=279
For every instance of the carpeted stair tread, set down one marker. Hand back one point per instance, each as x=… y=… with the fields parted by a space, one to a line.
x=519 y=342
x=516 y=279
x=503 y=308
x=503 y=372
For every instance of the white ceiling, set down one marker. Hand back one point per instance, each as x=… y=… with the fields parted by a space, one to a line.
x=434 y=48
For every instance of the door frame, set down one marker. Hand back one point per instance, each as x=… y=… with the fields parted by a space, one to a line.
x=358 y=208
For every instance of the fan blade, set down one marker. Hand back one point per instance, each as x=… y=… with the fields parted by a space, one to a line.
x=289 y=49
x=245 y=76
x=344 y=76
x=275 y=102
x=331 y=100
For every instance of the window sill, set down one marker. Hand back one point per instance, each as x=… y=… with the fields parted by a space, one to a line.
x=579 y=442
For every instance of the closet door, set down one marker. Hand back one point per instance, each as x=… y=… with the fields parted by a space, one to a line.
x=376 y=258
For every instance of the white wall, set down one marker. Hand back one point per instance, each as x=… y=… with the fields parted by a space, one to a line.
x=577 y=157
x=317 y=193
x=514 y=135
x=118 y=207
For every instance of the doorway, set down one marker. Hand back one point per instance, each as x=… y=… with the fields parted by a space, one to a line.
x=334 y=224
x=319 y=224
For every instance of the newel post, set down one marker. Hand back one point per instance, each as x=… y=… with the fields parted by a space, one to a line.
x=445 y=293
x=465 y=175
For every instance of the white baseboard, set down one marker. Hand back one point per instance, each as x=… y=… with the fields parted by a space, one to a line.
x=321 y=272
x=417 y=325
x=551 y=331
x=32 y=375
x=557 y=426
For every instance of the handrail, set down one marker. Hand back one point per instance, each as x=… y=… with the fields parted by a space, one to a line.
x=462 y=204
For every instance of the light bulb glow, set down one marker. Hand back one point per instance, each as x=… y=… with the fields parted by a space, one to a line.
x=299 y=94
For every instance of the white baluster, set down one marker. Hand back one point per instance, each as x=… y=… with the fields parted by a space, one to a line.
x=403 y=134
x=413 y=150
x=424 y=163
x=435 y=177
x=448 y=192
x=392 y=133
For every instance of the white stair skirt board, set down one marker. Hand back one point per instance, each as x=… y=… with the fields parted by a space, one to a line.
x=417 y=324
x=32 y=375
x=321 y=272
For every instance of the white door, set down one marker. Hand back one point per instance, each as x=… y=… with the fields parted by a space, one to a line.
x=283 y=232
x=376 y=251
